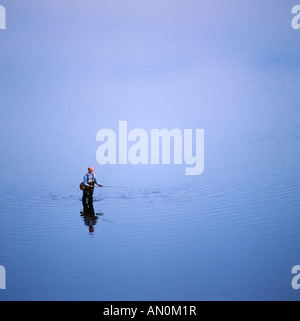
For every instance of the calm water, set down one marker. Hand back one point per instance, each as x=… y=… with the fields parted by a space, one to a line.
x=231 y=233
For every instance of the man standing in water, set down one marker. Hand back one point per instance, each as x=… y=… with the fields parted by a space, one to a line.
x=89 y=181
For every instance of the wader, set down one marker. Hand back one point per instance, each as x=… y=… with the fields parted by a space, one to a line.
x=87 y=196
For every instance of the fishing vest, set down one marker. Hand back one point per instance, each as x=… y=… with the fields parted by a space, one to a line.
x=90 y=179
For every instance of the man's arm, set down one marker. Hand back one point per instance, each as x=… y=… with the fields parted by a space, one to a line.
x=96 y=182
x=85 y=181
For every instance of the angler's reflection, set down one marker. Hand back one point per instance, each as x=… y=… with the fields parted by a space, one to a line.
x=89 y=216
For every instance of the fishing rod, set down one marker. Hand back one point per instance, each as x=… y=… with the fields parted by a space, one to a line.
x=115 y=186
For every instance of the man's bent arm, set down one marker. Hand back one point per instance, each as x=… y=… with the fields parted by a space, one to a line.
x=85 y=181
x=96 y=182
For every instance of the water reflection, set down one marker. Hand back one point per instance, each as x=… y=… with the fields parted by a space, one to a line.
x=90 y=220
x=89 y=216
